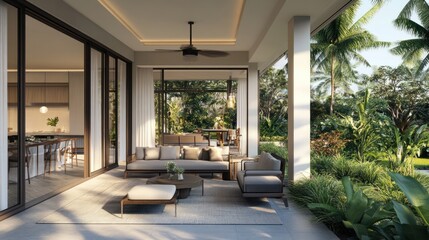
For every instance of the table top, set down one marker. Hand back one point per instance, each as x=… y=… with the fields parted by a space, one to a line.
x=189 y=181
x=215 y=130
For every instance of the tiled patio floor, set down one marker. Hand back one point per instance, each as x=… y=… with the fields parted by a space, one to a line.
x=297 y=224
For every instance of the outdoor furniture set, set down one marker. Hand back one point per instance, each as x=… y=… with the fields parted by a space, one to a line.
x=192 y=159
x=259 y=177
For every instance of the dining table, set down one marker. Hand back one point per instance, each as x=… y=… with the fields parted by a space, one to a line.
x=37 y=148
x=221 y=134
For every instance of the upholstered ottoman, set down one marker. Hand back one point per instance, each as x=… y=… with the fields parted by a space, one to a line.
x=151 y=194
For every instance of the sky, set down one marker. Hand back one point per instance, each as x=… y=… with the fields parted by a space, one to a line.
x=381 y=25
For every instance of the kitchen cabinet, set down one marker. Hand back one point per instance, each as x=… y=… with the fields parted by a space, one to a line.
x=38 y=94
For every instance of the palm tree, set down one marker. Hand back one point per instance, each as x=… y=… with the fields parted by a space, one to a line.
x=413 y=49
x=337 y=46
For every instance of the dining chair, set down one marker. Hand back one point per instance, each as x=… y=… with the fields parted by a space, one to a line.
x=68 y=152
x=13 y=160
x=50 y=154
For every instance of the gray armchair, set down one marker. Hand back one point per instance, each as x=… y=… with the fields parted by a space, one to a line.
x=262 y=177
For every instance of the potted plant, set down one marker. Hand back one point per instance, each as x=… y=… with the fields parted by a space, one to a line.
x=171 y=167
x=179 y=171
x=53 y=122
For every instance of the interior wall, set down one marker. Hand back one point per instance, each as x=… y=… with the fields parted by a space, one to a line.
x=76 y=103
x=37 y=121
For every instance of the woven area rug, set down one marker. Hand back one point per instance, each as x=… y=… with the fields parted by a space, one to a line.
x=222 y=203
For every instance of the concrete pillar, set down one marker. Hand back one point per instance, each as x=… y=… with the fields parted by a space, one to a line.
x=299 y=97
x=253 y=111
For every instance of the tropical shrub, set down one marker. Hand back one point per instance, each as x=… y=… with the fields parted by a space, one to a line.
x=321 y=164
x=365 y=216
x=372 y=219
x=319 y=189
x=364 y=130
x=328 y=144
x=272 y=148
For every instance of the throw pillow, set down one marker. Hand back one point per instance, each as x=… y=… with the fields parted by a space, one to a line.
x=191 y=153
x=151 y=153
x=168 y=153
x=216 y=154
x=205 y=154
x=139 y=153
x=268 y=162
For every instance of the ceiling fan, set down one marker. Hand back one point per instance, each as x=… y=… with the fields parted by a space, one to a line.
x=190 y=50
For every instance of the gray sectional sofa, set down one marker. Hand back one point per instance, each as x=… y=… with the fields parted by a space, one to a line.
x=192 y=159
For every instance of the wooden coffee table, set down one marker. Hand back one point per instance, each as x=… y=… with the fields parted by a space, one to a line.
x=183 y=186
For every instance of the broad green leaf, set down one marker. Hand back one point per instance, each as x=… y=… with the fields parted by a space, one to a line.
x=405 y=215
x=416 y=194
x=375 y=214
x=348 y=187
x=412 y=232
x=414 y=191
x=356 y=207
x=360 y=230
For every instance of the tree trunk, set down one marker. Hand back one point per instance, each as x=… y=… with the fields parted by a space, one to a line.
x=331 y=109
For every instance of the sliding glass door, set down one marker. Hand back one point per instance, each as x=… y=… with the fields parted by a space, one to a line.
x=10 y=163
x=112 y=112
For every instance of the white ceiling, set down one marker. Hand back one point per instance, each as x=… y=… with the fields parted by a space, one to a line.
x=256 y=26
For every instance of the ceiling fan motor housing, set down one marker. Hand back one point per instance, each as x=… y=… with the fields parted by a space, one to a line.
x=190 y=51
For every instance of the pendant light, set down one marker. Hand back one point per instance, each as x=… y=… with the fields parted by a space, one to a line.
x=44 y=108
x=229 y=94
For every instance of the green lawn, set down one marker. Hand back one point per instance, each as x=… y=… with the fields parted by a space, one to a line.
x=419 y=163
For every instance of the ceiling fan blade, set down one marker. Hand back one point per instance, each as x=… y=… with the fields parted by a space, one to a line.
x=167 y=50
x=213 y=53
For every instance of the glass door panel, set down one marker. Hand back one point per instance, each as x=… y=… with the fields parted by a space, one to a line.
x=10 y=163
x=96 y=144
x=112 y=113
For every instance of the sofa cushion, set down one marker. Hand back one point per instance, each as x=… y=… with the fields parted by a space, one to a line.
x=191 y=153
x=193 y=165
x=268 y=162
x=205 y=154
x=151 y=153
x=139 y=153
x=216 y=154
x=259 y=184
x=169 y=152
x=152 y=192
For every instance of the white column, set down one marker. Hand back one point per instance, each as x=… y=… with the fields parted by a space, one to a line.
x=3 y=108
x=242 y=113
x=299 y=98
x=253 y=110
x=145 y=108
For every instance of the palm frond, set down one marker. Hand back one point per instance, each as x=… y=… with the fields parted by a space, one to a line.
x=411 y=27
x=367 y=16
